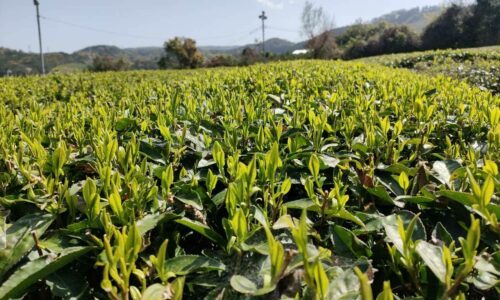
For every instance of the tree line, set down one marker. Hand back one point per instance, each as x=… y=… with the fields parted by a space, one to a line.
x=459 y=26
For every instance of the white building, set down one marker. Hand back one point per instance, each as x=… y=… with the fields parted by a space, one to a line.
x=300 y=51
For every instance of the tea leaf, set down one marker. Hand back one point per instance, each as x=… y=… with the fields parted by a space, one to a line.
x=39 y=268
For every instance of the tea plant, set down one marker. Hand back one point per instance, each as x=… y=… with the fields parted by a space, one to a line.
x=478 y=66
x=314 y=180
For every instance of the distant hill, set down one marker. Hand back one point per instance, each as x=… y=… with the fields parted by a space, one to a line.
x=416 y=18
x=273 y=45
x=100 y=50
x=141 y=57
x=19 y=62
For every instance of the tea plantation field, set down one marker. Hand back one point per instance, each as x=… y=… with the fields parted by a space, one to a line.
x=293 y=180
x=477 y=66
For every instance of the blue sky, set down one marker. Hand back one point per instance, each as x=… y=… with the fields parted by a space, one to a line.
x=70 y=25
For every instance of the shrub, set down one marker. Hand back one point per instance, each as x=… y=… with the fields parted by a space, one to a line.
x=369 y=40
x=108 y=63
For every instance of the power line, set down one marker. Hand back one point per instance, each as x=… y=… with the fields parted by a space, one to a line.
x=281 y=29
x=245 y=35
x=100 y=30
x=239 y=35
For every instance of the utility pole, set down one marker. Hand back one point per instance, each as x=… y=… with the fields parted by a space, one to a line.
x=36 y=3
x=263 y=17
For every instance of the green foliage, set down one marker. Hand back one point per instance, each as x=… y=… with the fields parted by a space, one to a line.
x=314 y=180
x=17 y=284
x=465 y=26
x=108 y=63
x=249 y=56
x=181 y=53
x=18 y=239
x=448 y=30
x=317 y=26
x=479 y=66
x=363 y=40
x=221 y=60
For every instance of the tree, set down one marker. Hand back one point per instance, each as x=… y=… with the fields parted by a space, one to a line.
x=483 y=26
x=396 y=39
x=249 y=56
x=181 y=53
x=317 y=27
x=324 y=46
x=104 y=63
x=465 y=26
x=367 y=40
x=448 y=30
x=220 y=61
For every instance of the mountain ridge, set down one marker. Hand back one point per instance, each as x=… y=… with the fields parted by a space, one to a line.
x=19 y=62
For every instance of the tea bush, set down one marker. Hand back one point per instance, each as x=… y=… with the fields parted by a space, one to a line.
x=478 y=66
x=314 y=180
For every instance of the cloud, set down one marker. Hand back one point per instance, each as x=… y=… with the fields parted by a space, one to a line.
x=272 y=3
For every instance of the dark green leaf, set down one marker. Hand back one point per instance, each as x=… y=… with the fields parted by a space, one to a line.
x=220 y=197
x=391 y=228
x=38 y=269
x=382 y=195
x=346 y=243
x=415 y=199
x=149 y=222
x=125 y=124
x=193 y=196
x=187 y=264
x=19 y=239
x=344 y=286
x=441 y=234
x=302 y=204
x=203 y=230
x=68 y=285
x=245 y=286
x=442 y=170
x=460 y=197
x=433 y=258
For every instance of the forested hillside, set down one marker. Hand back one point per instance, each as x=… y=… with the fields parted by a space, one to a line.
x=18 y=62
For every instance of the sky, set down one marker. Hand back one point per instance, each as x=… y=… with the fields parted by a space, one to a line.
x=70 y=25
